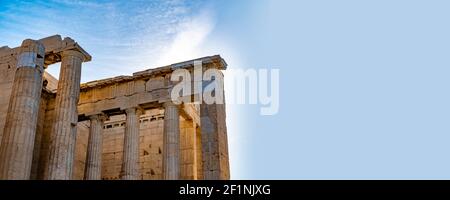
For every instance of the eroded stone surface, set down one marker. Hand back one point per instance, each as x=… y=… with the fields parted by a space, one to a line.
x=16 y=149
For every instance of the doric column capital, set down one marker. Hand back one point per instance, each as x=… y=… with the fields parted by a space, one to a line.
x=130 y=111
x=134 y=111
x=94 y=117
x=72 y=53
x=170 y=104
x=31 y=54
x=30 y=45
x=100 y=117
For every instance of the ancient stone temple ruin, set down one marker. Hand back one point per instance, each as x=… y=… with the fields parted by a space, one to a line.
x=125 y=127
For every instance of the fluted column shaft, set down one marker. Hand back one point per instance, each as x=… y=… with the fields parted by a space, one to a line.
x=171 y=142
x=130 y=162
x=63 y=135
x=16 y=150
x=38 y=139
x=93 y=169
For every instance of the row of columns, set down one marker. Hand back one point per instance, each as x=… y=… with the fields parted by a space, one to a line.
x=16 y=149
x=130 y=161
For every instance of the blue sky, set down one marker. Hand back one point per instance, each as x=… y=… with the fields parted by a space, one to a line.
x=122 y=36
x=363 y=83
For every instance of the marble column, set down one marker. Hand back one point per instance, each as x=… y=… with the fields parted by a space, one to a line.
x=93 y=169
x=16 y=151
x=214 y=142
x=171 y=142
x=188 y=151
x=63 y=135
x=38 y=137
x=130 y=162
